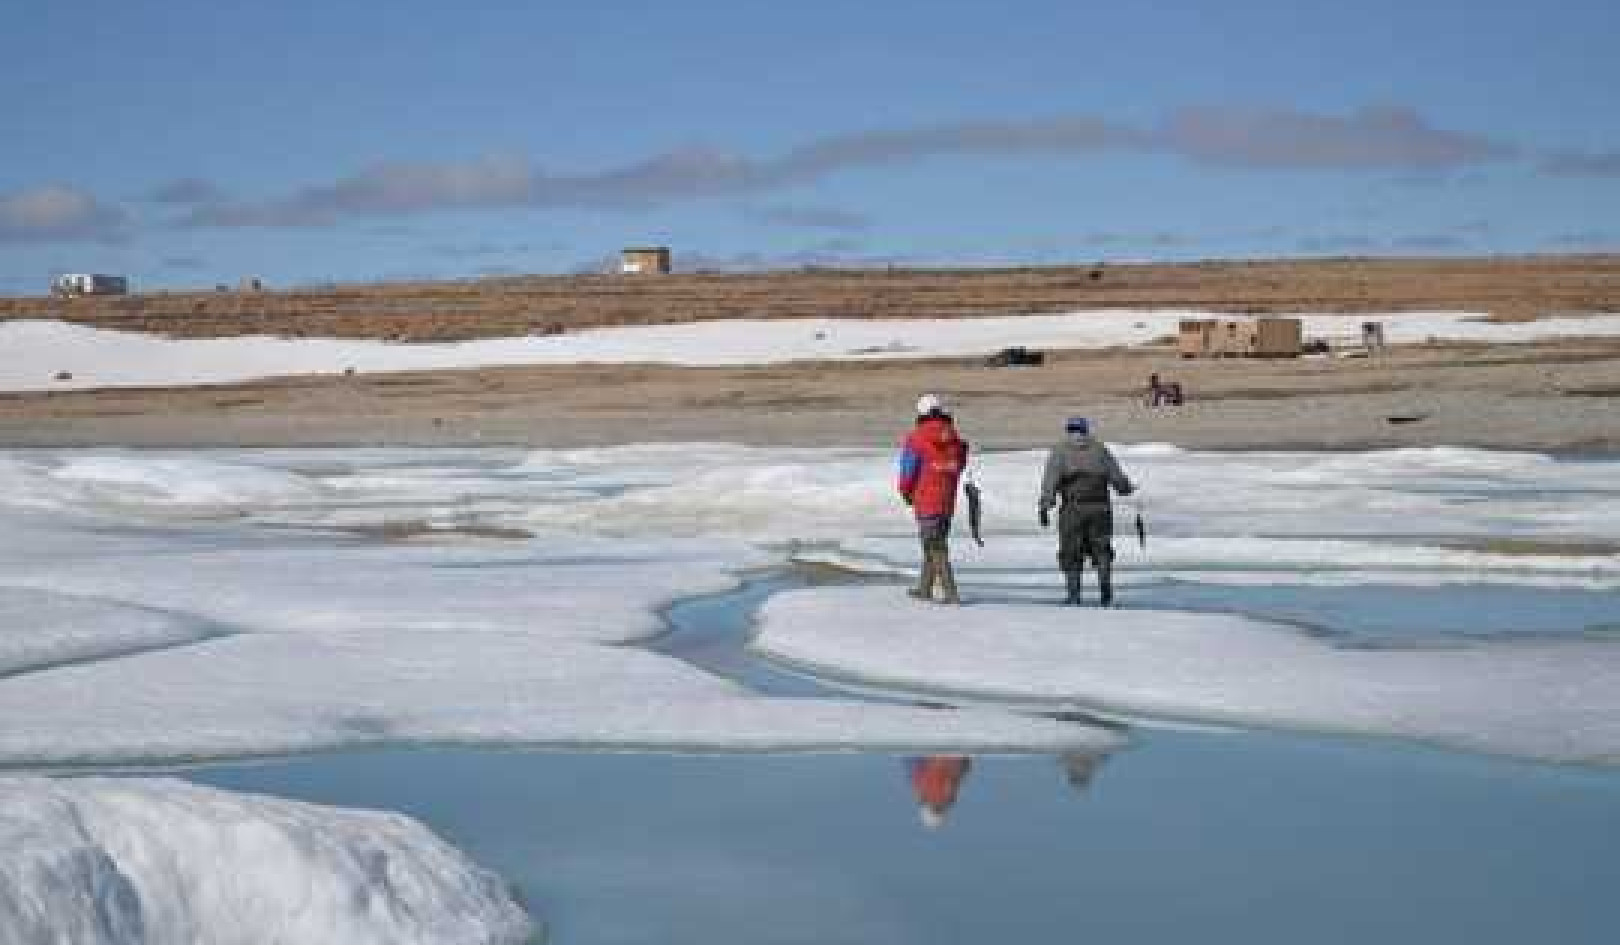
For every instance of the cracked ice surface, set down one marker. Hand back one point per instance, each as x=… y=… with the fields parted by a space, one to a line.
x=101 y=861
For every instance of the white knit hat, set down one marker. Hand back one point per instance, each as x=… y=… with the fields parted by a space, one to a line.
x=928 y=403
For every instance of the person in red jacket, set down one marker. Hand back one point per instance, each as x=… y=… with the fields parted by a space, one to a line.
x=932 y=460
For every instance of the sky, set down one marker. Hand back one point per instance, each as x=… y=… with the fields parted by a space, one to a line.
x=187 y=143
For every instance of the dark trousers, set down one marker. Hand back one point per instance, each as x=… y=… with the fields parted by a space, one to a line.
x=1086 y=532
x=934 y=531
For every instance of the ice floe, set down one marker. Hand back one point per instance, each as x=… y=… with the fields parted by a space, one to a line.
x=42 y=629
x=260 y=694
x=1554 y=700
x=173 y=605
x=99 y=861
x=62 y=356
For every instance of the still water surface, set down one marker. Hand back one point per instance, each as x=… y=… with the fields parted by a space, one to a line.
x=1184 y=836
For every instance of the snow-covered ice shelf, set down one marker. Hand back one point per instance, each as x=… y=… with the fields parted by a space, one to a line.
x=99 y=861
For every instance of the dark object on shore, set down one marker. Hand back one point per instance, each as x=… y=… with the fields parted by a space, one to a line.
x=1406 y=418
x=1164 y=393
x=1315 y=346
x=975 y=512
x=1016 y=357
x=1141 y=531
x=64 y=375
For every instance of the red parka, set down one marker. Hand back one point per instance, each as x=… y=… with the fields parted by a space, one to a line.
x=932 y=460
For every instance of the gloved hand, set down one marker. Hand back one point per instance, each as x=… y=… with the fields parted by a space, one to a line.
x=1046 y=519
x=906 y=496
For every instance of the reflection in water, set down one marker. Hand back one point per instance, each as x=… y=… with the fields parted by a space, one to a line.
x=937 y=779
x=1079 y=769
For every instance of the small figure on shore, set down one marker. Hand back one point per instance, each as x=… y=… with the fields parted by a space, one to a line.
x=936 y=780
x=932 y=460
x=1161 y=393
x=1156 y=391
x=1081 y=471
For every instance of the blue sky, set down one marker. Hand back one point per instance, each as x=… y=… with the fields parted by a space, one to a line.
x=187 y=143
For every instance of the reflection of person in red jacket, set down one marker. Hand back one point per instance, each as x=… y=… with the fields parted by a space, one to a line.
x=936 y=779
x=932 y=460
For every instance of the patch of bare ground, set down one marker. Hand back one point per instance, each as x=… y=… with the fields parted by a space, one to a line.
x=1502 y=288
x=1546 y=395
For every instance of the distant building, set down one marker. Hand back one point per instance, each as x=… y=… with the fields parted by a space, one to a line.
x=250 y=284
x=84 y=283
x=1240 y=338
x=644 y=260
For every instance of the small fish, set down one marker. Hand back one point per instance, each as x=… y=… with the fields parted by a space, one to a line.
x=975 y=512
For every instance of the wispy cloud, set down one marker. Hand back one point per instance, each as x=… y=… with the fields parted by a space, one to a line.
x=1585 y=240
x=1430 y=243
x=56 y=213
x=1258 y=139
x=811 y=218
x=280 y=214
x=1162 y=240
x=1452 y=241
x=476 y=250
x=1582 y=164
x=1384 y=138
x=187 y=191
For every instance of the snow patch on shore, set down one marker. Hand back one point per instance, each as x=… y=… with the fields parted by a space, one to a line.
x=54 y=355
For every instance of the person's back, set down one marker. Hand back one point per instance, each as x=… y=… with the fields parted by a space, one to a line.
x=933 y=458
x=1081 y=472
x=932 y=461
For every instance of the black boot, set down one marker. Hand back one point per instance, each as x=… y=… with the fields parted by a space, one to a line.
x=1105 y=585
x=1075 y=581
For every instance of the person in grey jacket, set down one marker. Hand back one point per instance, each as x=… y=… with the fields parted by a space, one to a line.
x=1080 y=470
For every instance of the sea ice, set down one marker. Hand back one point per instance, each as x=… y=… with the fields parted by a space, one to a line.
x=1556 y=700
x=41 y=629
x=260 y=693
x=98 y=861
x=486 y=595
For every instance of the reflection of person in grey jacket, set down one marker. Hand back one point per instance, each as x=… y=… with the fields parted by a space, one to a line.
x=1080 y=470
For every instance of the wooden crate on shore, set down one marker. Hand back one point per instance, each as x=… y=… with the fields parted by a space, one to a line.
x=1240 y=338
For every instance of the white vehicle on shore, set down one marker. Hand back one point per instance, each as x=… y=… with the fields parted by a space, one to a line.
x=85 y=283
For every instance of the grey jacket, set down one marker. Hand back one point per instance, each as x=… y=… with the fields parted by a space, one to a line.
x=1081 y=470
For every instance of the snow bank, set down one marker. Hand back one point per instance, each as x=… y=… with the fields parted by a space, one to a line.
x=1548 y=700
x=156 y=862
x=100 y=358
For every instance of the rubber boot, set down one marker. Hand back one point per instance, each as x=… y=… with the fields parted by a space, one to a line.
x=1105 y=583
x=1076 y=582
x=947 y=578
x=925 y=578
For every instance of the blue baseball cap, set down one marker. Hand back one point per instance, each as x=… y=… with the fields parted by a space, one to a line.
x=1077 y=425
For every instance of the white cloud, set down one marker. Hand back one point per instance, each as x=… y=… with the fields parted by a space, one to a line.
x=54 y=212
